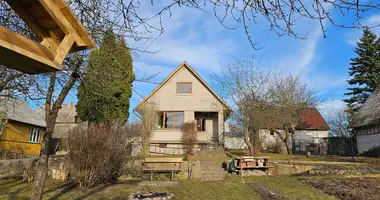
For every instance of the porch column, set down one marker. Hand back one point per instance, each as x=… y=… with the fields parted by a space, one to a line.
x=189 y=116
x=221 y=126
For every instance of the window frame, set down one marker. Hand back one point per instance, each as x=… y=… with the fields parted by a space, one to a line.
x=164 y=114
x=32 y=137
x=184 y=87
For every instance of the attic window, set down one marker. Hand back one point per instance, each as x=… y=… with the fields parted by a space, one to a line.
x=184 y=87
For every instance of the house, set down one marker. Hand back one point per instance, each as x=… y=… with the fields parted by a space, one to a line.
x=22 y=128
x=366 y=123
x=66 y=121
x=185 y=97
x=309 y=134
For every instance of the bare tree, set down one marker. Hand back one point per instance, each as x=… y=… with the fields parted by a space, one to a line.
x=149 y=120
x=124 y=18
x=289 y=98
x=244 y=82
x=339 y=120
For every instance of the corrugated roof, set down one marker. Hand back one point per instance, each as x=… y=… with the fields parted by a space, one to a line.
x=312 y=119
x=369 y=113
x=18 y=110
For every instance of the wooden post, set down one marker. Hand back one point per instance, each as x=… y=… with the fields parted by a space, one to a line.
x=64 y=49
x=241 y=166
x=151 y=176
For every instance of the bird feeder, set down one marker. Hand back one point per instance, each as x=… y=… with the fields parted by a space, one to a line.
x=59 y=31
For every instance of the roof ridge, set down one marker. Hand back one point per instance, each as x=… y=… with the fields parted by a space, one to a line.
x=184 y=64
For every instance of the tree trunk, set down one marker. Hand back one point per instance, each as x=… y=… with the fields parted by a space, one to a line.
x=247 y=141
x=293 y=137
x=286 y=141
x=51 y=113
x=288 y=148
x=43 y=160
x=42 y=168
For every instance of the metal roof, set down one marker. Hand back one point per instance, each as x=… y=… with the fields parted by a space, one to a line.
x=19 y=110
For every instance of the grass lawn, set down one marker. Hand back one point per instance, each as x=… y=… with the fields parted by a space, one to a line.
x=232 y=188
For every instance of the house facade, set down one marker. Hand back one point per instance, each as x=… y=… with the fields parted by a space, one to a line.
x=66 y=121
x=22 y=128
x=366 y=123
x=185 y=97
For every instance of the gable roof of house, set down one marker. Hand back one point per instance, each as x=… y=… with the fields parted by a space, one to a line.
x=313 y=120
x=187 y=66
x=19 y=110
x=369 y=113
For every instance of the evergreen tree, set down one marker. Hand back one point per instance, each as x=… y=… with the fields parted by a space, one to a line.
x=104 y=93
x=364 y=70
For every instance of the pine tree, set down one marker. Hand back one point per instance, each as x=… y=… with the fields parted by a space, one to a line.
x=364 y=70
x=104 y=93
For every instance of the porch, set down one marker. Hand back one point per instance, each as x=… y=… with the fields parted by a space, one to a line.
x=209 y=127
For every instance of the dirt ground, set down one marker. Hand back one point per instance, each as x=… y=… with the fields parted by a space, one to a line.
x=349 y=188
x=266 y=193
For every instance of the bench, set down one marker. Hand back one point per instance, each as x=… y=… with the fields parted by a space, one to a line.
x=250 y=162
x=162 y=165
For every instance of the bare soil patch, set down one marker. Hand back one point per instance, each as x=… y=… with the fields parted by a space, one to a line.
x=266 y=193
x=349 y=188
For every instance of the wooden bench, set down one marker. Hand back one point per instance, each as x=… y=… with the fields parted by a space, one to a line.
x=162 y=165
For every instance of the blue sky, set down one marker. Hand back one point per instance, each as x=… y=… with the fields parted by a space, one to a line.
x=199 y=39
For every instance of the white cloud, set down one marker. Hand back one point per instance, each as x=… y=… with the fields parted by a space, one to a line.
x=353 y=36
x=329 y=107
x=325 y=81
x=144 y=70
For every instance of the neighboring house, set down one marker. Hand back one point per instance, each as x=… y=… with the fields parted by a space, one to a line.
x=66 y=121
x=366 y=123
x=185 y=97
x=22 y=128
x=308 y=135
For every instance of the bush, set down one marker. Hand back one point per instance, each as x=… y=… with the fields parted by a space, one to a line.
x=98 y=153
x=189 y=137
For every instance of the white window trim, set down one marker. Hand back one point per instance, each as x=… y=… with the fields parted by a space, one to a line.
x=34 y=135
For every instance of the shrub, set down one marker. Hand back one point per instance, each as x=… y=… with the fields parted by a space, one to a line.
x=189 y=137
x=98 y=152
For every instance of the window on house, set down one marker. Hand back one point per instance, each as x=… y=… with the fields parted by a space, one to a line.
x=201 y=124
x=34 y=135
x=271 y=133
x=171 y=120
x=184 y=87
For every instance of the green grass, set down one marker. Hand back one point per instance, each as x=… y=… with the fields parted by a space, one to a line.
x=233 y=188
